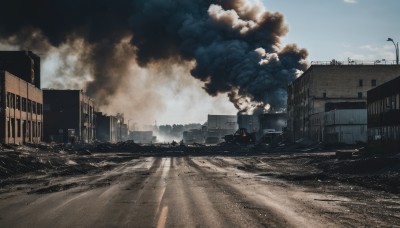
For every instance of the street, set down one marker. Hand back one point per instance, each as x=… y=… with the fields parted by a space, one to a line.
x=188 y=191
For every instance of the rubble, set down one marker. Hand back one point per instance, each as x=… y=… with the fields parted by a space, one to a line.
x=355 y=166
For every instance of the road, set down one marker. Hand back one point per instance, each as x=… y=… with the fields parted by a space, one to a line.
x=186 y=191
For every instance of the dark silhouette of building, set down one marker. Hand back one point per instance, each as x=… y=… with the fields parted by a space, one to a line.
x=384 y=116
x=69 y=116
x=21 y=114
x=111 y=128
x=23 y=64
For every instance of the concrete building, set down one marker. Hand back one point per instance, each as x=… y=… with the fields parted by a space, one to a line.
x=20 y=110
x=250 y=122
x=272 y=122
x=325 y=87
x=141 y=136
x=69 y=116
x=225 y=122
x=384 y=116
x=220 y=125
x=344 y=126
x=23 y=64
x=106 y=128
x=111 y=128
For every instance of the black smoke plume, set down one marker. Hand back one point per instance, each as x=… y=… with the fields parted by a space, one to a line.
x=235 y=44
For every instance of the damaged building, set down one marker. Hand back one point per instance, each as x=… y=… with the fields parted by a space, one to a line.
x=220 y=125
x=266 y=125
x=21 y=98
x=69 y=116
x=20 y=110
x=111 y=128
x=384 y=116
x=324 y=93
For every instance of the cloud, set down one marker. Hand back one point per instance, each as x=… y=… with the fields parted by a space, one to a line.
x=350 y=1
x=369 y=53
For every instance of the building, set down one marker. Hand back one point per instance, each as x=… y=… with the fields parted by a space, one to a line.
x=273 y=122
x=23 y=64
x=224 y=122
x=323 y=88
x=111 y=128
x=141 y=136
x=69 y=116
x=384 y=116
x=106 y=128
x=250 y=122
x=344 y=126
x=218 y=126
x=20 y=110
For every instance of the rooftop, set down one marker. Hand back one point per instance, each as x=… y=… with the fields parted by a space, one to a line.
x=354 y=62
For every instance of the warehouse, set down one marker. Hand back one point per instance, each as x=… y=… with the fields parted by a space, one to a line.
x=384 y=115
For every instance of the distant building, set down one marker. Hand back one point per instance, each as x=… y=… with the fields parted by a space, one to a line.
x=23 y=64
x=225 y=122
x=220 y=125
x=323 y=88
x=69 y=116
x=111 y=128
x=141 y=136
x=384 y=116
x=250 y=122
x=20 y=110
x=106 y=128
x=273 y=121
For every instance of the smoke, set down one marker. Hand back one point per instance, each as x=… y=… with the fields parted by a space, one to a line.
x=231 y=46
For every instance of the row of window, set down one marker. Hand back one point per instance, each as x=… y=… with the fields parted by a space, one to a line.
x=384 y=105
x=373 y=82
x=16 y=125
x=21 y=103
x=359 y=95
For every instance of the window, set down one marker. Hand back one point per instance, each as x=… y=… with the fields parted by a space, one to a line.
x=39 y=130
x=34 y=107
x=13 y=127
x=324 y=95
x=9 y=128
x=18 y=128
x=360 y=95
x=13 y=100
x=29 y=105
x=360 y=82
x=24 y=104
x=373 y=82
x=39 y=109
x=18 y=102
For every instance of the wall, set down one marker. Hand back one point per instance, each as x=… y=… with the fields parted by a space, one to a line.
x=322 y=84
x=21 y=111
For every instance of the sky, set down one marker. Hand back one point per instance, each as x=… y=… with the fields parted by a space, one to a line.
x=331 y=29
x=328 y=29
x=167 y=93
x=341 y=29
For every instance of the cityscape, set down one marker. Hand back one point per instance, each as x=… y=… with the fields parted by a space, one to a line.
x=209 y=113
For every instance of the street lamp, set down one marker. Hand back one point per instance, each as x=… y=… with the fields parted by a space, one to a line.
x=396 y=46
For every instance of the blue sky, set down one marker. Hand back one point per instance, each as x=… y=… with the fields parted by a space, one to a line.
x=341 y=29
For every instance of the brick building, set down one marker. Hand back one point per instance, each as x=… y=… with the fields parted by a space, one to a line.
x=20 y=110
x=323 y=88
x=69 y=116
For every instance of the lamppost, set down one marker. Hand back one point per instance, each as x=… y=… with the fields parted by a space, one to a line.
x=396 y=46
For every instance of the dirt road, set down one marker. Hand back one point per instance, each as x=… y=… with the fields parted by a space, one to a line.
x=213 y=191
